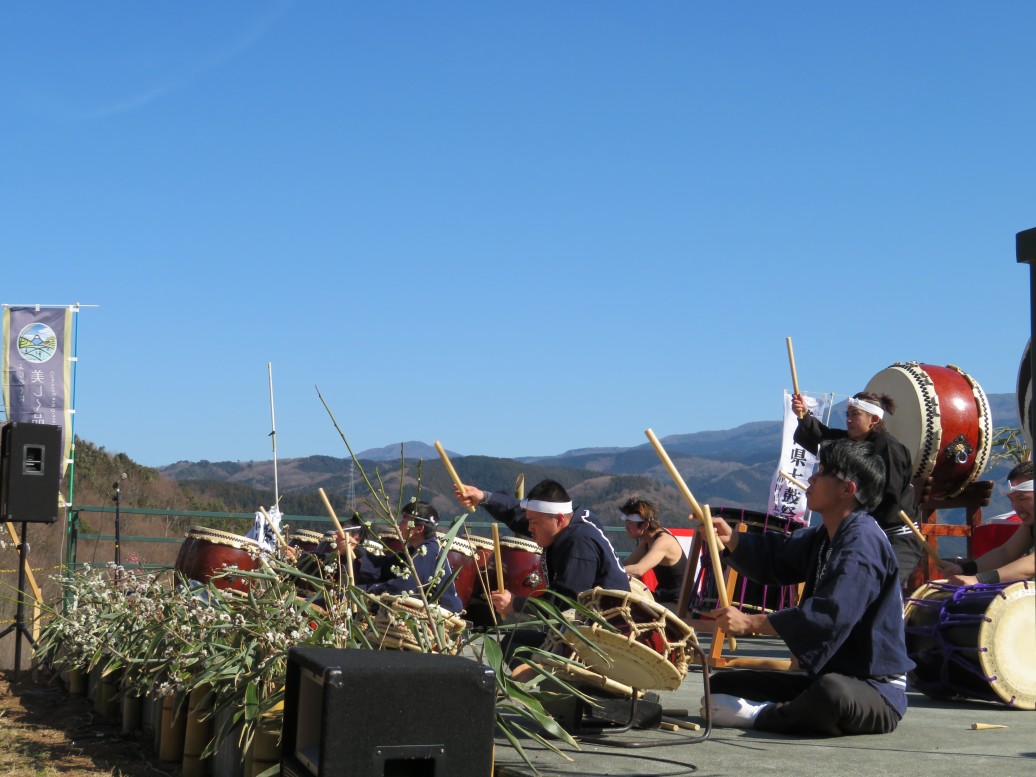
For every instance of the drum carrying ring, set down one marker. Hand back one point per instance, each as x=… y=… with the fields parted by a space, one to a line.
x=959 y=450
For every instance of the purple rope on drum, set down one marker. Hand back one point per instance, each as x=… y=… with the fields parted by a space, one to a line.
x=951 y=634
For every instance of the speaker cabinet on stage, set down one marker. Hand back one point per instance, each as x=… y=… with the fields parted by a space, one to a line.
x=386 y=713
x=30 y=472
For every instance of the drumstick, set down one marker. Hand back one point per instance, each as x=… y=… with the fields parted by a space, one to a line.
x=341 y=531
x=499 y=561
x=794 y=481
x=706 y=522
x=687 y=495
x=794 y=374
x=272 y=525
x=451 y=471
x=924 y=543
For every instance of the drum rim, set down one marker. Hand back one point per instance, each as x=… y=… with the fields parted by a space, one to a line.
x=986 y=642
x=929 y=432
x=206 y=533
x=458 y=544
x=521 y=543
x=307 y=535
x=658 y=609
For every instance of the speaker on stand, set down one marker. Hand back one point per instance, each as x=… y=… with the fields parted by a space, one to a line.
x=30 y=478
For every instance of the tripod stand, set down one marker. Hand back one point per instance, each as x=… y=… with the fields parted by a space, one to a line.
x=19 y=627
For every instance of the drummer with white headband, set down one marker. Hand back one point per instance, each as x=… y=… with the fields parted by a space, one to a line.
x=1013 y=560
x=577 y=554
x=864 y=420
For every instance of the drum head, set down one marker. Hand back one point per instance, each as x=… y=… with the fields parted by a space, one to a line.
x=916 y=420
x=624 y=660
x=1007 y=643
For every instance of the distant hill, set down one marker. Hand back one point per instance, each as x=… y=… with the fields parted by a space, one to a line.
x=729 y=468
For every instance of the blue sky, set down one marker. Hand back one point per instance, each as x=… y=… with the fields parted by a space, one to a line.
x=518 y=228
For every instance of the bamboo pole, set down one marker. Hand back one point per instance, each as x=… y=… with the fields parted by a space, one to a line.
x=341 y=531
x=794 y=374
x=273 y=437
x=451 y=471
x=702 y=517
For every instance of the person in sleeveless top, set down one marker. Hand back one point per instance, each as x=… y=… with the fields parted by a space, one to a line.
x=657 y=549
x=1013 y=560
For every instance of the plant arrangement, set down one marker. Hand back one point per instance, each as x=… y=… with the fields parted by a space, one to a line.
x=164 y=635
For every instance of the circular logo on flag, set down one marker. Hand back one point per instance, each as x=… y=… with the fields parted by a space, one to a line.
x=37 y=343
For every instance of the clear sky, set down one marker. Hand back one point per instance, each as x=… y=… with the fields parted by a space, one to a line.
x=518 y=228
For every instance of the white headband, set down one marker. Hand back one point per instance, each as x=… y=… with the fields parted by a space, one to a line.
x=633 y=517
x=550 y=508
x=1025 y=485
x=867 y=407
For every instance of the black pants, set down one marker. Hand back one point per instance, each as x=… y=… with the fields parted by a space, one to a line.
x=908 y=552
x=829 y=705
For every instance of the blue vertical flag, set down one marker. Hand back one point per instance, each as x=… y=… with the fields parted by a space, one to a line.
x=37 y=373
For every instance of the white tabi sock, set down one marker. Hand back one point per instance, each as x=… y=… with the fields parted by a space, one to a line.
x=734 y=712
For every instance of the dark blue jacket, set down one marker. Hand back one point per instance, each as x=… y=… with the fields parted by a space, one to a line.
x=580 y=558
x=850 y=619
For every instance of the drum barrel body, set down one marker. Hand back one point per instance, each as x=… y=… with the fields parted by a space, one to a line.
x=523 y=567
x=210 y=552
x=466 y=567
x=952 y=636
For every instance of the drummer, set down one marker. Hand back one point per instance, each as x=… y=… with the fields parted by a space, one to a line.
x=864 y=420
x=1013 y=560
x=657 y=549
x=847 y=631
x=577 y=554
x=417 y=524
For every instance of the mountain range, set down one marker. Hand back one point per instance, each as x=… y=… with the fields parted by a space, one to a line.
x=725 y=468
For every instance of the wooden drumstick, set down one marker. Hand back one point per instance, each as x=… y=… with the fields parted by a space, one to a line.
x=794 y=481
x=794 y=374
x=499 y=560
x=451 y=471
x=706 y=521
x=924 y=543
x=341 y=531
x=675 y=475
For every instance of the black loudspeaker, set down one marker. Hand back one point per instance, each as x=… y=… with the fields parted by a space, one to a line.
x=30 y=472
x=385 y=713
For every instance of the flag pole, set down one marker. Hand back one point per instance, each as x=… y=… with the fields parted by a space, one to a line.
x=273 y=437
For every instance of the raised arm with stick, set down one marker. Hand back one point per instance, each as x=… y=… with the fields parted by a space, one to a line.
x=794 y=374
x=705 y=520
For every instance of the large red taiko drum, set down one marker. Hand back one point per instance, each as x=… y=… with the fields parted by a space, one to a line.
x=942 y=416
x=207 y=552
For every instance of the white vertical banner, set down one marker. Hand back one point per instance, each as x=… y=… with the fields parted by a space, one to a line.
x=788 y=501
